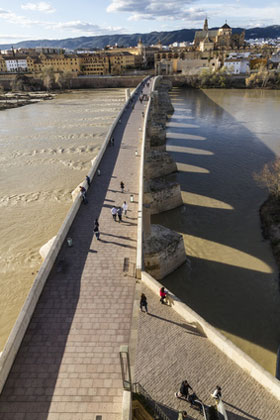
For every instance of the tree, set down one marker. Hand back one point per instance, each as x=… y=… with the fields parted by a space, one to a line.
x=269 y=178
x=48 y=78
x=2 y=92
x=64 y=80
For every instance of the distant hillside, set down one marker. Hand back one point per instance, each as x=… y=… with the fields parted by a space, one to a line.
x=131 y=40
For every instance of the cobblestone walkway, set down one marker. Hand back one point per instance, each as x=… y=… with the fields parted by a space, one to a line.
x=170 y=350
x=68 y=364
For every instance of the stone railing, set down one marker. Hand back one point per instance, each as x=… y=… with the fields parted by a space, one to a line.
x=15 y=338
x=139 y=256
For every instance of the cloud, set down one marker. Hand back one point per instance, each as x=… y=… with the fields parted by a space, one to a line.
x=71 y=27
x=243 y=15
x=194 y=11
x=11 y=17
x=42 y=6
x=158 y=9
x=85 y=27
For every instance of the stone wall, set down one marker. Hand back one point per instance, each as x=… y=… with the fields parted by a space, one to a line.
x=105 y=82
x=162 y=195
x=87 y=82
x=163 y=249
x=159 y=163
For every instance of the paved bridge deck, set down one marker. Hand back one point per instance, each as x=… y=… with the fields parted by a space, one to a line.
x=171 y=350
x=68 y=364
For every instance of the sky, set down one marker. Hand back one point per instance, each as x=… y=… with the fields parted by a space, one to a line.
x=60 y=19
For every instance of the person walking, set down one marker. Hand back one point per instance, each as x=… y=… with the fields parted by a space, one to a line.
x=83 y=194
x=88 y=180
x=217 y=394
x=143 y=303
x=125 y=207
x=122 y=186
x=96 y=229
x=184 y=390
x=114 y=213
x=162 y=294
x=119 y=213
x=112 y=141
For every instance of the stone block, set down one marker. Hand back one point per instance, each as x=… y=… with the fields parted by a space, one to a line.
x=158 y=163
x=164 y=251
x=44 y=250
x=162 y=195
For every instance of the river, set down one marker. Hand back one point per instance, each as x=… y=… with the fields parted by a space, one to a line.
x=46 y=151
x=219 y=138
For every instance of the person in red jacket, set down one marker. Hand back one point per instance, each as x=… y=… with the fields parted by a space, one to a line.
x=162 y=294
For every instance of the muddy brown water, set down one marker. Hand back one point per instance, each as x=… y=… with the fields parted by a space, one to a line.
x=219 y=138
x=46 y=151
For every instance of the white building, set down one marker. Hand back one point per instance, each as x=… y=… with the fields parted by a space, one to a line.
x=237 y=65
x=14 y=64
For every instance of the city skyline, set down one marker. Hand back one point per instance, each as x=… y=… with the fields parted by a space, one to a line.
x=58 y=19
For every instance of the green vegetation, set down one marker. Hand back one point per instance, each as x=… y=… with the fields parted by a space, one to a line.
x=207 y=79
x=263 y=78
x=54 y=80
x=269 y=178
x=218 y=79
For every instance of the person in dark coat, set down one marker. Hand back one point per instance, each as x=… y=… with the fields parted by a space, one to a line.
x=143 y=303
x=122 y=186
x=96 y=229
x=83 y=194
x=119 y=213
x=88 y=180
x=184 y=390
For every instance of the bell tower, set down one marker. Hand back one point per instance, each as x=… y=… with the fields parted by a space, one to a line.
x=205 y=27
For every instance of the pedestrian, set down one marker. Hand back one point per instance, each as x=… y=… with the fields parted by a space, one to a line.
x=112 y=141
x=217 y=394
x=182 y=415
x=184 y=390
x=96 y=229
x=195 y=402
x=143 y=303
x=114 y=213
x=119 y=213
x=162 y=294
x=122 y=186
x=125 y=207
x=83 y=194
x=143 y=114
x=88 y=180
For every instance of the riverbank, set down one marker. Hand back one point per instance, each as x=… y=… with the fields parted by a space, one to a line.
x=270 y=222
x=18 y=99
x=223 y=80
